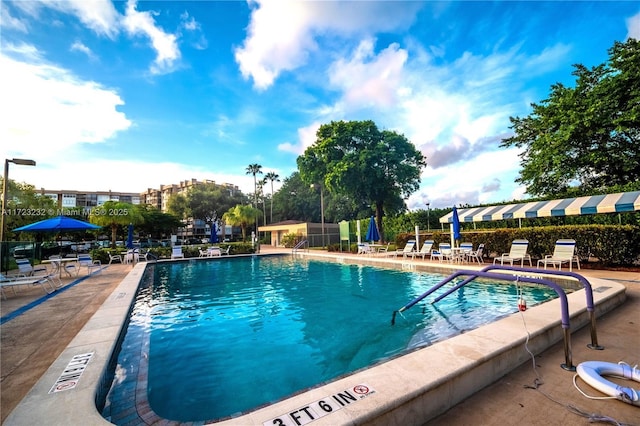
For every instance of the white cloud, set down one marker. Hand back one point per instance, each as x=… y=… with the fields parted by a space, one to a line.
x=306 y=138
x=98 y=15
x=367 y=79
x=165 y=45
x=47 y=110
x=9 y=22
x=633 y=27
x=280 y=36
x=78 y=46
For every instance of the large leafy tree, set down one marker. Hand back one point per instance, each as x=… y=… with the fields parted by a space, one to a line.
x=587 y=136
x=156 y=223
x=24 y=206
x=356 y=160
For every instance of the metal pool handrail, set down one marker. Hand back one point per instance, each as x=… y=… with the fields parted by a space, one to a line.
x=588 y=290
x=564 y=304
x=300 y=245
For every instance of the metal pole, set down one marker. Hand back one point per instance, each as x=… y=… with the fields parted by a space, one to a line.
x=428 y=226
x=322 y=212
x=4 y=200
x=5 y=188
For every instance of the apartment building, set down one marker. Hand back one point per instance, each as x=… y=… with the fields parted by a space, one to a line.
x=159 y=198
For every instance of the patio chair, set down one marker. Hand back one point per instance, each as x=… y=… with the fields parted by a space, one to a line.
x=424 y=251
x=408 y=248
x=85 y=261
x=225 y=252
x=132 y=256
x=114 y=258
x=176 y=252
x=202 y=252
x=562 y=253
x=365 y=248
x=517 y=252
x=462 y=253
x=443 y=252
x=476 y=255
x=214 y=252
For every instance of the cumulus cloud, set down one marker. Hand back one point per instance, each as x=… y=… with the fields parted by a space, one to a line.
x=367 y=79
x=633 y=27
x=280 y=36
x=306 y=138
x=47 y=110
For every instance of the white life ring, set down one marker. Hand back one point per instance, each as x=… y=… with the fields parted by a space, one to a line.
x=592 y=371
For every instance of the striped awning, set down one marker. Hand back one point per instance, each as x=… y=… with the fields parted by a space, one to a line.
x=607 y=203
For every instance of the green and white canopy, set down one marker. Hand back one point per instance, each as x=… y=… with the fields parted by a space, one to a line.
x=607 y=203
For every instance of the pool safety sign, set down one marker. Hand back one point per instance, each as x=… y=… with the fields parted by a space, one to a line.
x=322 y=407
x=72 y=372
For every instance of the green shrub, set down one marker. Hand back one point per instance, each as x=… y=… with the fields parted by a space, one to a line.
x=613 y=245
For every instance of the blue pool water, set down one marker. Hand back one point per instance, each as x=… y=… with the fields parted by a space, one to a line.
x=227 y=336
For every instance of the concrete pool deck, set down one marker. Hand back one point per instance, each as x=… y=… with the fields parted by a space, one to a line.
x=37 y=345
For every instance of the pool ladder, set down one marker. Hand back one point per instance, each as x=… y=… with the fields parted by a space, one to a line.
x=299 y=246
x=564 y=305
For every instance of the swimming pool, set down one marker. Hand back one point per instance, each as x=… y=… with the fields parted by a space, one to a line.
x=214 y=330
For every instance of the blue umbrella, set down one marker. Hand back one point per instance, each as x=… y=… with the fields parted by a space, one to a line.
x=214 y=234
x=372 y=231
x=455 y=224
x=57 y=224
x=130 y=236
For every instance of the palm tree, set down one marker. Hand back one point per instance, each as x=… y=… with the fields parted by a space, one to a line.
x=273 y=177
x=242 y=216
x=254 y=169
x=115 y=214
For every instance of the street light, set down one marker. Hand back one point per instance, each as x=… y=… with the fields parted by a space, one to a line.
x=428 y=226
x=5 y=187
x=314 y=186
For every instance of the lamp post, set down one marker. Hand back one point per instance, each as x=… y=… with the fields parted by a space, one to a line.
x=5 y=187
x=314 y=186
x=428 y=225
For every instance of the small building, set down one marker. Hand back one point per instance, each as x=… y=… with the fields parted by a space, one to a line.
x=311 y=232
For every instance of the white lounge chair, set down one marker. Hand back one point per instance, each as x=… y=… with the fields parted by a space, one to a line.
x=114 y=258
x=562 y=253
x=25 y=268
x=14 y=281
x=443 y=252
x=176 y=252
x=517 y=252
x=424 y=251
x=407 y=250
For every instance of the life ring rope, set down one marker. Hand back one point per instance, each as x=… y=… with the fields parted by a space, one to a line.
x=593 y=372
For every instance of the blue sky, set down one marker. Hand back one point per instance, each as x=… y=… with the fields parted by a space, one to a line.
x=130 y=95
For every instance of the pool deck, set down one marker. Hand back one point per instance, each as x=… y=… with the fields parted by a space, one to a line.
x=33 y=343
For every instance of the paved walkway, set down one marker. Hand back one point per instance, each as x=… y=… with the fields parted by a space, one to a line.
x=30 y=342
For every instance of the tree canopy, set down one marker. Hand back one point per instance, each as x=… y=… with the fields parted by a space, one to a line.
x=115 y=214
x=588 y=136
x=356 y=160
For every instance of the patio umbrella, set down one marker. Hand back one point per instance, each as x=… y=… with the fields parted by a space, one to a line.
x=130 y=236
x=372 y=232
x=214 y=234
x=455 y=227
x=58 y=224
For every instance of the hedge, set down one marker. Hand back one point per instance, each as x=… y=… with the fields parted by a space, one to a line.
x=612 y=245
